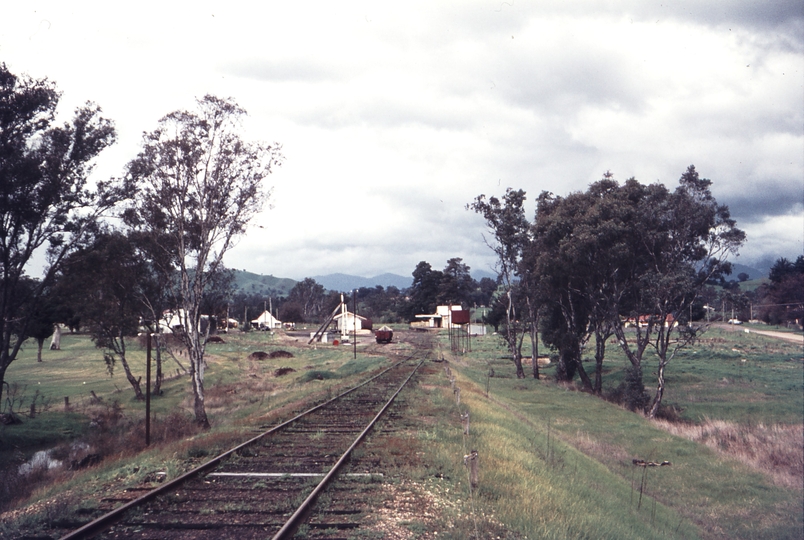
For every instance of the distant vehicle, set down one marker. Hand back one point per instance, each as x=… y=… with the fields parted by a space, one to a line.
x=735 y=321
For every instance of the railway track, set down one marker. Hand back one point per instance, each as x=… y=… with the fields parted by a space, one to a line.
x=267 y=487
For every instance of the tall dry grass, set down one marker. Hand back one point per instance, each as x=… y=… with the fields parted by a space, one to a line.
x=776 y=450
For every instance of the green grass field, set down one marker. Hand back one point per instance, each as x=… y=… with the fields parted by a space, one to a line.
x=581 y=485
x=236 y=386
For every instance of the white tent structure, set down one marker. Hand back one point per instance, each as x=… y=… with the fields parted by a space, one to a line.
x=173 y=320
x=266 y=320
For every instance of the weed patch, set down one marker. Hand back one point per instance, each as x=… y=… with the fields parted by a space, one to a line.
x=776 y=450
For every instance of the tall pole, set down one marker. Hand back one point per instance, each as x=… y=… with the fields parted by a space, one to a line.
x=148 y=390
x=354 y=321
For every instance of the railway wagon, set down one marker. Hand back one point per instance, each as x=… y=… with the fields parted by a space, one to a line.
x=384 y=335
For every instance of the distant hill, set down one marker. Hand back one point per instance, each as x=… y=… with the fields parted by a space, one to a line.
x=346 y=282
x=753 y=273
x=250 y=283
x=480 y=274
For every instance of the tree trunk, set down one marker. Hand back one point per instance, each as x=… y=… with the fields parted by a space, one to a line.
x=510 y=333
x=657 y=399
x=40 y=343
x=535 y=355
x=520 y=372
x=55 y=343
x=587 y=382
x=197 y=375
x=3 y=366
x=534 y=340
x=600 y=353
x=195 y=349
x=158 y=379
x=135 y=383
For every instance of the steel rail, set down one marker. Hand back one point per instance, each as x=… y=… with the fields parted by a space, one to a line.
x=292 y=523
x=97 y=525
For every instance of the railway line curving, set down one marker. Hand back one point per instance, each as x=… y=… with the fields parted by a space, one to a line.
x=267 y=486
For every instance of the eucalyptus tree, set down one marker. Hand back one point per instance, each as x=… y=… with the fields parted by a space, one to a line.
x=583 y=252
x=456 y=285
x=46 y=200
x=44 y=313
x=309 y=295
x=510 y=235
x=560 y=255
x=200 y=184
x=424 y=290
x=105 y=282
x=682 y=239
x=782 y=300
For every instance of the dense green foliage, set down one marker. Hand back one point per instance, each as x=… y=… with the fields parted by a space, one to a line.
x=594 y=263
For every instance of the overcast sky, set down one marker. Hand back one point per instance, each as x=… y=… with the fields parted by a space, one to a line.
x=394 y=116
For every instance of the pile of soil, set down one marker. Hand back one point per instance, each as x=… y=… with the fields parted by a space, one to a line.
x=283 y=371
x=8 y=419
x=258 y=355
x=215 y=339
x=281 y=354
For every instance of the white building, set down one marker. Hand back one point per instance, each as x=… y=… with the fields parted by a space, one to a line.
x=444 y=317
x=266 y=320
x=347 y=321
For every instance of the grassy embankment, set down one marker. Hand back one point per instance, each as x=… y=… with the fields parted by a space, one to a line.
x=557 y=463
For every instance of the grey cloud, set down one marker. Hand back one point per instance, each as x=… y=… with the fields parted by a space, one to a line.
x=755 y=203
x=748 y=13
x=784 y=15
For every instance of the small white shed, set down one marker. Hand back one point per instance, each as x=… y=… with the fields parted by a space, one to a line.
x=347 y=321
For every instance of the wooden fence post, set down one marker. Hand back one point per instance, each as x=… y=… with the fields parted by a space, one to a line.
x=465 y=418
x=471 y=460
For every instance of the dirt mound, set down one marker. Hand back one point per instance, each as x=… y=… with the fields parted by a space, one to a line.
x=7 y=419
x=283 y=371
x=258 y=355
x=281 y=354
x=215 y=339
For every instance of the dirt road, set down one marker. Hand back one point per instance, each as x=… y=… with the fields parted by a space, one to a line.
x=787 y=336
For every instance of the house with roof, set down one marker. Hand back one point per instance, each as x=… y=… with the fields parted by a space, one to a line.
x=444 y=317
